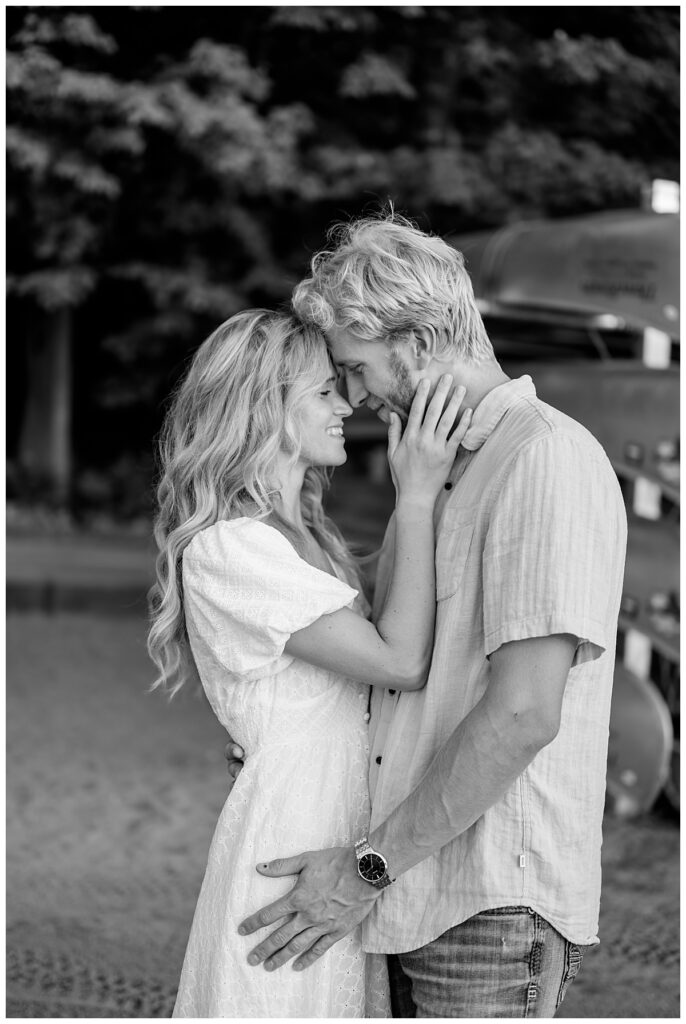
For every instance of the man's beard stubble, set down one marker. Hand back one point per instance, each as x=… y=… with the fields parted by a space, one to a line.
x=400 y=398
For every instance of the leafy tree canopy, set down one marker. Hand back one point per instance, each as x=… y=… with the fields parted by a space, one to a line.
x=170 y=165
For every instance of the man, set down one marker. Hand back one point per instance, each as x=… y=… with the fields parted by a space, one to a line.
x=483 y=879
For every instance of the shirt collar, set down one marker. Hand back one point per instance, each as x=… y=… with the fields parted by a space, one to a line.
x=493 y=407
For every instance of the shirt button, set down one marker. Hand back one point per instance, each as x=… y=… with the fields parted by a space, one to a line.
x=378 y=760
x=448 y=486
x=366 y=716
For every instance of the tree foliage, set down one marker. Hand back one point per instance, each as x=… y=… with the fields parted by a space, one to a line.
x=168 y=166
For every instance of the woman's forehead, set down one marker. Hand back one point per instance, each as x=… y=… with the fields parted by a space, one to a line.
x=322 y=367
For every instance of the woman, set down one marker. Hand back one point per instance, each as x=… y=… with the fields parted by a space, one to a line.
x=258 y=593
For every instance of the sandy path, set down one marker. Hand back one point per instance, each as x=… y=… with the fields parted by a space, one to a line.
x=112 y=798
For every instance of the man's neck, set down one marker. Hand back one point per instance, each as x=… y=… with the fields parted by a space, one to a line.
x=478 y=378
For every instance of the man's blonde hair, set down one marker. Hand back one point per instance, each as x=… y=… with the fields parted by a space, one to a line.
x=382 y=277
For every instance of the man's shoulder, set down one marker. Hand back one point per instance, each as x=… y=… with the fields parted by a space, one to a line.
x=532 y=421
x=535 y=442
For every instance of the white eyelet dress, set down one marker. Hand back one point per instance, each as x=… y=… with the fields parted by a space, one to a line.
x=305 y=781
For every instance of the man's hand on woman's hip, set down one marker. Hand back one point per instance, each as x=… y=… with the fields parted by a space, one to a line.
x=328 y=900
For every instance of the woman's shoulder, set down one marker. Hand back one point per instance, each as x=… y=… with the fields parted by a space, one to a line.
x=249 y=567
x=234 y=560
x=248 y=554
x=233 y=536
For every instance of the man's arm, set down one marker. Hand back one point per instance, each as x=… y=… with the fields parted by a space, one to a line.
x=518 y=715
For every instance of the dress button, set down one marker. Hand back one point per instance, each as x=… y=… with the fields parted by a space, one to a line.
x=378 y=760
x=448 y=486
x=366 y=716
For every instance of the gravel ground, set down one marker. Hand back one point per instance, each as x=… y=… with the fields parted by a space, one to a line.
x=112 y=797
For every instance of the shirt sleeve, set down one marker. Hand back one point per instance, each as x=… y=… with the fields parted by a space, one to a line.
x=246 y=590
x=554 y=551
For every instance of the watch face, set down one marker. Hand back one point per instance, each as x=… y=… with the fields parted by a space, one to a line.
x=372 y=867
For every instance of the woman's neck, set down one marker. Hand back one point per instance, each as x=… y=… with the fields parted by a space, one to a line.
x=292 y=479
x=290 y=508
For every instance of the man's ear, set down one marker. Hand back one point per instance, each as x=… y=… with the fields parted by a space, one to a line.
x=424 y=346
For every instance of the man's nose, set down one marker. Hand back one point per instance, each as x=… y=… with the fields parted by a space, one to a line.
x=357 y=392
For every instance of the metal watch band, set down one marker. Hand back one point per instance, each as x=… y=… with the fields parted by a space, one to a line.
x=362 y=847
x=381 y=883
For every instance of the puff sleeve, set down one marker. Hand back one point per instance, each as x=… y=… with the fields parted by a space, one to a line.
x=246 y=590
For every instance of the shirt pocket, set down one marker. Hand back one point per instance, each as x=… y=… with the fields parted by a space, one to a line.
x=453 y=544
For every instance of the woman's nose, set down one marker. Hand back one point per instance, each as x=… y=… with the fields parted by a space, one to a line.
x=343 y=408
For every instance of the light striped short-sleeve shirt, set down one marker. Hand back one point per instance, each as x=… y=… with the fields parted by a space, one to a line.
x=530 y=541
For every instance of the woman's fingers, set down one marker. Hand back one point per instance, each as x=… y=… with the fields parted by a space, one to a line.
x=418 y=407
x=436 y=406
x=394 y=432
x=432 y=434
x=457 y=436
x=450 y=413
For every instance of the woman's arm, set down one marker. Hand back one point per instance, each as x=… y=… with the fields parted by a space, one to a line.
x=396 y=651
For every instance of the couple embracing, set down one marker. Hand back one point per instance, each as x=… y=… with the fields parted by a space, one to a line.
x=429 y=772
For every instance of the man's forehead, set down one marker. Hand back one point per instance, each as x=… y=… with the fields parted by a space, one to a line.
x=345 y=347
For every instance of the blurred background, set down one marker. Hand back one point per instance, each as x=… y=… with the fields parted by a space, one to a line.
x=168 y=166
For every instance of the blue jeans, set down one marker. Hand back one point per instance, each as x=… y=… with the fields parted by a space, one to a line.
x=507 y=962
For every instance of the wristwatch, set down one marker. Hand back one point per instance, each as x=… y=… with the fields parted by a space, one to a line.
x=371 y=866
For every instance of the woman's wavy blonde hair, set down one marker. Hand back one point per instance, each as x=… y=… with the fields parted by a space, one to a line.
x=229 y=423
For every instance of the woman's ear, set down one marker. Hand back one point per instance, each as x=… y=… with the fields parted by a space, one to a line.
x=423 y=343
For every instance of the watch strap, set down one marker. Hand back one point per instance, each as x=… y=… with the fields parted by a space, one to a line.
x=362 y=847
x=382 y=882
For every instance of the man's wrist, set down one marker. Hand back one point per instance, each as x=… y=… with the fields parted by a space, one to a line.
x=372 y=866
x=367 y=893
